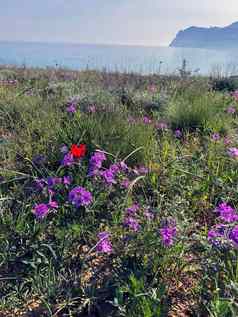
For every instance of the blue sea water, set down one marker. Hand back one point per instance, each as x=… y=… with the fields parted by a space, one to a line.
x=139 y=59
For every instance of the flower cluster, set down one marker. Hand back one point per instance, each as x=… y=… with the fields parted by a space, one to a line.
x=227 y=230
x=42 y=210
x=80 y=197
x=168 y=234
x=130 y=220
x=104 y=245
x=233 y=152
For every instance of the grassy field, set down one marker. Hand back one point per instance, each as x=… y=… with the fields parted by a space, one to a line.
x=118 y=195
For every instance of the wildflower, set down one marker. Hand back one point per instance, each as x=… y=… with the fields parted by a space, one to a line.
x=233 y=152
x=146 y=120
x=168 y=233
x=231 y=110
x=178 y=133
x=41 y=210
x=68 y=160
x=67 y=180
x=133 y=209
x=125 y=183
x=227 y=140
x=71 y=108
x=40 y=183
x=141 y=170
x=95 y=163
x=109 y=176
x=216 y=136
x=216 y=232
x=53 y=204
x=53 y=181
x=80 y=197
x=78 y=151
x=104 y=245
x=227 y=213
x=131 y=223
x=234 y=235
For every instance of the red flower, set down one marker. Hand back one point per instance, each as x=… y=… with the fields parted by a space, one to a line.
x=78 y=151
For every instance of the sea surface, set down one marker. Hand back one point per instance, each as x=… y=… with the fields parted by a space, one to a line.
x=138 y=59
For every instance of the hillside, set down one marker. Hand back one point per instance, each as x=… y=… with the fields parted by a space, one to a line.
x=213 y=37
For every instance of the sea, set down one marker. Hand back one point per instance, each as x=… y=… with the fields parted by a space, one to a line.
x=122 y=58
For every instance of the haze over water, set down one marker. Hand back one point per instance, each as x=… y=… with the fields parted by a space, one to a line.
x=139 y=59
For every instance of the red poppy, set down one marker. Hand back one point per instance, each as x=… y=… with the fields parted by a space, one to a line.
x=78 y=151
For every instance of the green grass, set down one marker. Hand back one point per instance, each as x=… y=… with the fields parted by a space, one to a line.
x=53 y=267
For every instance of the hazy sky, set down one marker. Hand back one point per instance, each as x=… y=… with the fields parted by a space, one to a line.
x=143 y=22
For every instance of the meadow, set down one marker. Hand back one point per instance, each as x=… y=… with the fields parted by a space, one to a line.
x=118 y=194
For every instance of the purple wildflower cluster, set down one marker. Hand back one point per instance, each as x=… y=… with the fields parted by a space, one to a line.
x=104 y=245
x=130 y=221
x=227 y=230
x=42 y=210
x=80 y=197
x=178 y=133
x=71 y=107
x=233 y=152
x=168 y=233
x=226 y=213
x=95 y=163
x=215 y=137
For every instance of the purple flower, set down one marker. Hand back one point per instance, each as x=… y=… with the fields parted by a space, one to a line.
x=53 y=204
x=67 y=180
x=109 y=176
x=80 y=197
x=71 y=108
x=40 y=183
x=141 y=170
x=131 y=223
x=231 y=110
x=216 y=136
x=68 y=160
x=95 y=163
x=234 y=235
x=53 y=181
x=125 y=183
x=227 y=140
x=41 y=210
x=227 y=213
x=133 y=209
x=104 y=245
x=233 y=152
x=178 y=133
x=146 y=120
x=167 y=235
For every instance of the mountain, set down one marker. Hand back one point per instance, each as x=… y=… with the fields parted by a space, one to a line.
x=212 y=37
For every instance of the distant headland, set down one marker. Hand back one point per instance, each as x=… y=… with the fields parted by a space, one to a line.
x=208 y=38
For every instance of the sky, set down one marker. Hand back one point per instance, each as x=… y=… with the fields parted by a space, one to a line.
x=130 y=22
